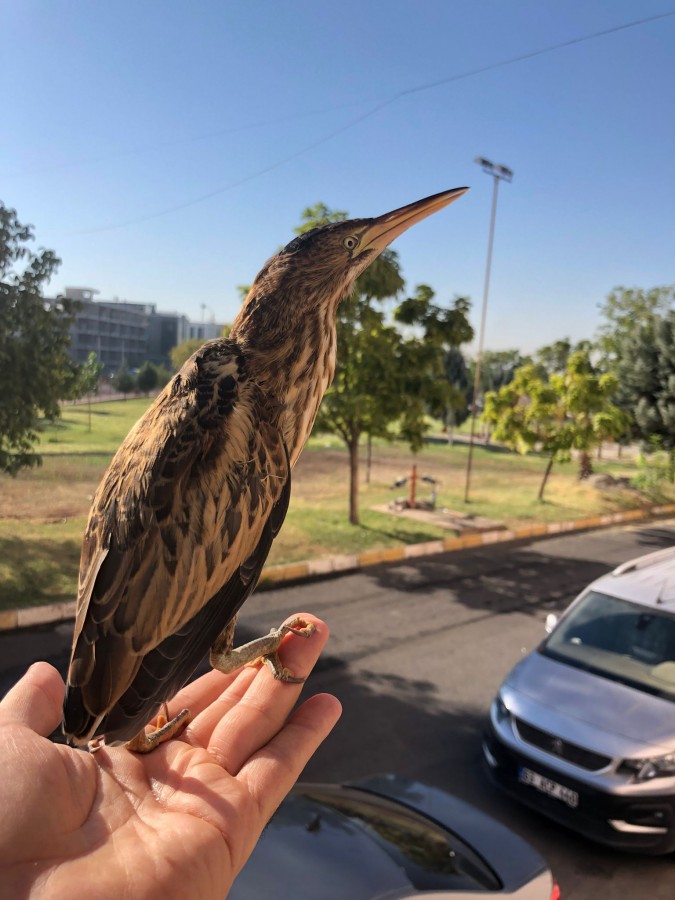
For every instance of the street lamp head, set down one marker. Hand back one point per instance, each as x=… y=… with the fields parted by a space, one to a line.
x=493 y=169
x=504 y=173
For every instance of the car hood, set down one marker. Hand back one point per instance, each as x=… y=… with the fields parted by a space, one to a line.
x=320 y=849
x=586 y=709
x=311 y=849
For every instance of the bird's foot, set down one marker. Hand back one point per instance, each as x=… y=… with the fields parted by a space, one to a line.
x=272 y=661
x=263 y=650
x=164 y=730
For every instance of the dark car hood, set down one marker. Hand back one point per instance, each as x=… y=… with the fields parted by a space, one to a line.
x=311 y=849
x=322 y=851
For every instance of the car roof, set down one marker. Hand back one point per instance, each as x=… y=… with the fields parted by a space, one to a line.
x=648 y=580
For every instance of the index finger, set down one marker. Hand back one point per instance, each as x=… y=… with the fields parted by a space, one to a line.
x=233 y=732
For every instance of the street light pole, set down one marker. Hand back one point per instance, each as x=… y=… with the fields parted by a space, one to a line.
x=499 y=173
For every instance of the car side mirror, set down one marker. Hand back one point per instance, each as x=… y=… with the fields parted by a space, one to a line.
x=550 y=623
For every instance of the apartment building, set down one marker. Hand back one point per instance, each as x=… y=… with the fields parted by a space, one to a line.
x=115 y=331
x=118 y=331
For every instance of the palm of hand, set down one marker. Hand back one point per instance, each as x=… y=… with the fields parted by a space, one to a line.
x=180 y=821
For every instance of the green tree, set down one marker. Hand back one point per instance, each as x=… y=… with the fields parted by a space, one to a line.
x=358 y=402
x=555 y=414
x=554 y=357
x=88 y=379
x=183 y=351
x=625 y=310
x=147 y=378
x=123 y=381
x=457 y=374
x=35 y=369
x=625 y=313
x=163 y=375
x=497 y=368
x=526 y=414
x=362 y=400
x=383 y=378
x=646 y=373
x=440 y=331
x=588 y=398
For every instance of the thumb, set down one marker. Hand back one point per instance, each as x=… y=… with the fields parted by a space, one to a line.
x=35 y=700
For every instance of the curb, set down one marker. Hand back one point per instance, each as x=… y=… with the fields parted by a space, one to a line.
x=274 y=576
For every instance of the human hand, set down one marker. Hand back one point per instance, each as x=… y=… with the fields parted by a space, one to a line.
x=178 y=822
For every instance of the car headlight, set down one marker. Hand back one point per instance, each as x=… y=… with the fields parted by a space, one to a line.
x=646 y=769
x=501 y=709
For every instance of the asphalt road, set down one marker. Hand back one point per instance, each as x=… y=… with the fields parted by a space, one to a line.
x=417 y=651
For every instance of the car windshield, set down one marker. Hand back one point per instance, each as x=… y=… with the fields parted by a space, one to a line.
x=619 y=640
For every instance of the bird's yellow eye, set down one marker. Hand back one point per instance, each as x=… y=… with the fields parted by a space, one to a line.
x=350 y=242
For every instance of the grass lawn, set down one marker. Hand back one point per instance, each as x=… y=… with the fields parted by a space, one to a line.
x=43 y=511
x=109 y=424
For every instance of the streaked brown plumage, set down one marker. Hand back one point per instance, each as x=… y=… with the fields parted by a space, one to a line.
x=184 y=518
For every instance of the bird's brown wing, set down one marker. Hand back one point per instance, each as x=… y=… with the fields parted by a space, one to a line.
x=179 y=530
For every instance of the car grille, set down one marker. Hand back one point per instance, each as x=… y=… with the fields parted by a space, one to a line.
x=579 y=756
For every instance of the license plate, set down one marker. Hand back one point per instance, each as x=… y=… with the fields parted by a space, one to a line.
x=548 y=787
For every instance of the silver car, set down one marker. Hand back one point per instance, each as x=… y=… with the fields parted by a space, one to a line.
x=583 y=729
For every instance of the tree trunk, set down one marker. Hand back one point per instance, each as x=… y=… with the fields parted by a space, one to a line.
x=549 y=466
x=585 y=465
x=354 y=481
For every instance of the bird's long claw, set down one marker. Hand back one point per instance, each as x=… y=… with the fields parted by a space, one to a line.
x=295 y=626
x=279 y=670
x=272 y=661
x=263 y=650
x=144 y=743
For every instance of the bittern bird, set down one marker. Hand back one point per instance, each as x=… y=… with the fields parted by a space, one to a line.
x=185 y=515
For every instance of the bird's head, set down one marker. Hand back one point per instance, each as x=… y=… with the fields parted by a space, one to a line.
x=318 y=269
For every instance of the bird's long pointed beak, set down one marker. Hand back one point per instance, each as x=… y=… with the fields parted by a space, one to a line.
x=384 y=229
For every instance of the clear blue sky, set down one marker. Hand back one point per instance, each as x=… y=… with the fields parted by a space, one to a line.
x=113 y=114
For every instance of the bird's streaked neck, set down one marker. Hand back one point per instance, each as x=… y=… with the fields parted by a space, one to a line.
x=291 y=354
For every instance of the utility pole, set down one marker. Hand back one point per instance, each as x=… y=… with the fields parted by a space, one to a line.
x=499 y=173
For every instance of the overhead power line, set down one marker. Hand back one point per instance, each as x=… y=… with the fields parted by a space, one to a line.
x=378 y=105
